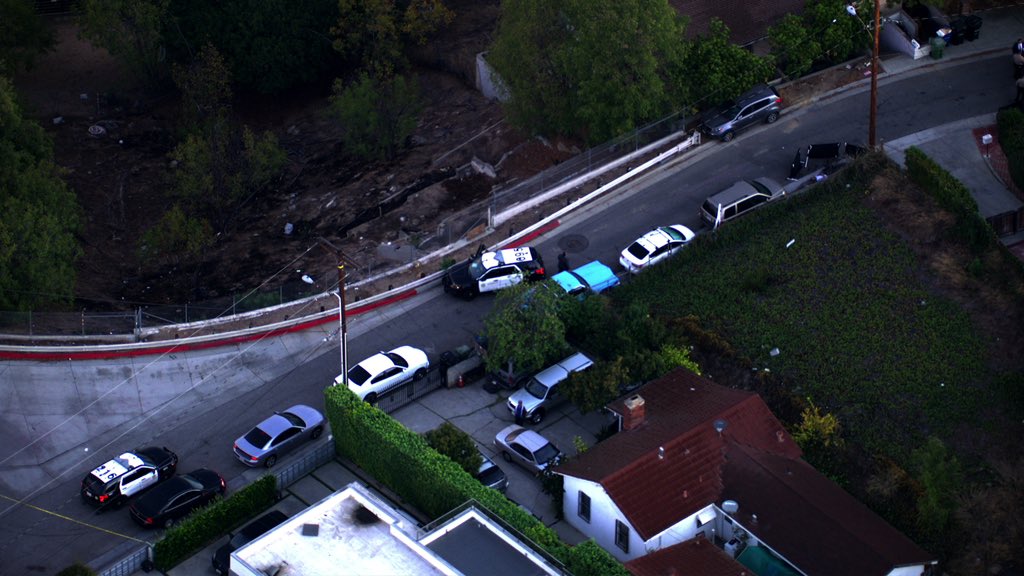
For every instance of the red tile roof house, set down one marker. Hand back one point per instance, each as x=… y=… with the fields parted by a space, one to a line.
x=695 y=459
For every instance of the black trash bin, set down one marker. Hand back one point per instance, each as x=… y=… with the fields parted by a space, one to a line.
x=973 y=28
x=956 y=31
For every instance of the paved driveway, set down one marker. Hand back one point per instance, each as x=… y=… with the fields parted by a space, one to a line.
x=482 y=414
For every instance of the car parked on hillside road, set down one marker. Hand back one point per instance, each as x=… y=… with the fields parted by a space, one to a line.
x=655 y=246
x=526 y=448
x=173 y=500
x=738 y=199
x=128 y=474
x=491 y=271
x=278 y=435
x=759 y=104
x=591 y=278
x=385 y=370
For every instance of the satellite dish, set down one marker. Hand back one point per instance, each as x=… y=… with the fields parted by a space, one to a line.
x=721 y=425
x=307 y=279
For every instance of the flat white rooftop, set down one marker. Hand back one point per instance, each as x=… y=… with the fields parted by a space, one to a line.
x=349 y=532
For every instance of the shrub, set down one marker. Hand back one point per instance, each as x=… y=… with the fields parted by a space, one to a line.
x=952 y=195
x=202 y=527
x=1011 y=138
x=455 y=444
x=77 y=569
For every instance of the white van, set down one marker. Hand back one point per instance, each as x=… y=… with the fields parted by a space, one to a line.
x=541 y=391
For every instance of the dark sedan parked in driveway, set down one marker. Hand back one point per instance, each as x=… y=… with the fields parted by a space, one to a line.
x=176 y=498
x=279 y=434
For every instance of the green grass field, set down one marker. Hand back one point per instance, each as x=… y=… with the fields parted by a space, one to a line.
x=846 y=305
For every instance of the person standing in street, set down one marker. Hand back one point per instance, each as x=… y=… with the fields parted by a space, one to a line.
x=1018 y=46
x=563 y=262
x=520 y=413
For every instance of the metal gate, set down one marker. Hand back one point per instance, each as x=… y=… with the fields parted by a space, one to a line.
x=406 y=393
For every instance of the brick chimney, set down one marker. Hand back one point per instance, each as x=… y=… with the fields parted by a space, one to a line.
x=634 y=415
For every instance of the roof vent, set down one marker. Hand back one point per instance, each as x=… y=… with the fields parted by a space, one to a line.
x=720 y=425
x=310 y=529
x=730 y=506
x=661 y=452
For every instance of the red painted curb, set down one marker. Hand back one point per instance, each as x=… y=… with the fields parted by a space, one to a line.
x=172 y=348
x=533 y=235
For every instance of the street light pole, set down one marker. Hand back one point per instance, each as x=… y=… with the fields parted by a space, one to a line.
x=874 y=79
x=340 y=295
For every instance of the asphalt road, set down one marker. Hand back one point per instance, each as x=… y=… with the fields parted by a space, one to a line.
x=59 y=529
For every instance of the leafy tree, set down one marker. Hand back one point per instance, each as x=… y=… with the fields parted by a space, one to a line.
x=940 y=476
x=424 y=17
x=23 y=36
x=524 y=330
x=372 y=34
x=819 y=436
x=39 y=216
x=131 y=30
x=457 y=445
x=220 y=167
x=794 y=46
x=378 y=114
x=839 y=35
x=176 y=237
x=205 y=86
x=717 y=70
x=270 y=46
x=594 y=68
x=591 y=389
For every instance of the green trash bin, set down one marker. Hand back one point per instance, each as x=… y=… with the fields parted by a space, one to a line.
x=937 y=44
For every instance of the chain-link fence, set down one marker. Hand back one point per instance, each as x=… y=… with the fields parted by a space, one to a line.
x=451 y=230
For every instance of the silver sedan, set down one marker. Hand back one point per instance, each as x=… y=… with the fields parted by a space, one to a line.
x=279 y=434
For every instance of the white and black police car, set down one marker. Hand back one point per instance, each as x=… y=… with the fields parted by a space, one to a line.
x=491 y=271
x=127 y=475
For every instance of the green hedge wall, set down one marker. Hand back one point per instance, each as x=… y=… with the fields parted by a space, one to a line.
x=952 y=195
x=404 y=462
x=204 y=526
x=1011 y=139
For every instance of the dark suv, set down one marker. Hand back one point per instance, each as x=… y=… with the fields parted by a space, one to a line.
x=761 y=103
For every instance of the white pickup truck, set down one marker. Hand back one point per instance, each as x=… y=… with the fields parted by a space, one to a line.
x=541 y=392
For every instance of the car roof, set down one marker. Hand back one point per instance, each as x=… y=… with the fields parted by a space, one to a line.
x=116 y=467
x=507 y=256
x=742 y=189
x=529 y=439
x=756 y=93
x=377 y=363
x=274 y=425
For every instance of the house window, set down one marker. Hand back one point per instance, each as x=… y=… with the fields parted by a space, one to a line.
x=622 y=536
x=583 y=506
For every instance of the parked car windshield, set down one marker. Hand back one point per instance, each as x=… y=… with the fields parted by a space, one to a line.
x=398 y=360
x=257 y=437
x=637 y=250
x=760 y=187
x=357 y=375
x=536 y=389
x=293 y=419
x=476 y=268
x=546 y=453
x=672 y=233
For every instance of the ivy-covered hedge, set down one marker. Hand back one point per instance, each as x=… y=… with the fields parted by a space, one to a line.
x=204 y=526
x=1011 y=139
x=951 y=195
x=404 y=462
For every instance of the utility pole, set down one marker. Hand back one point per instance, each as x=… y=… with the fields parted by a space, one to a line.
x=340 y=295
x=874 y=78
